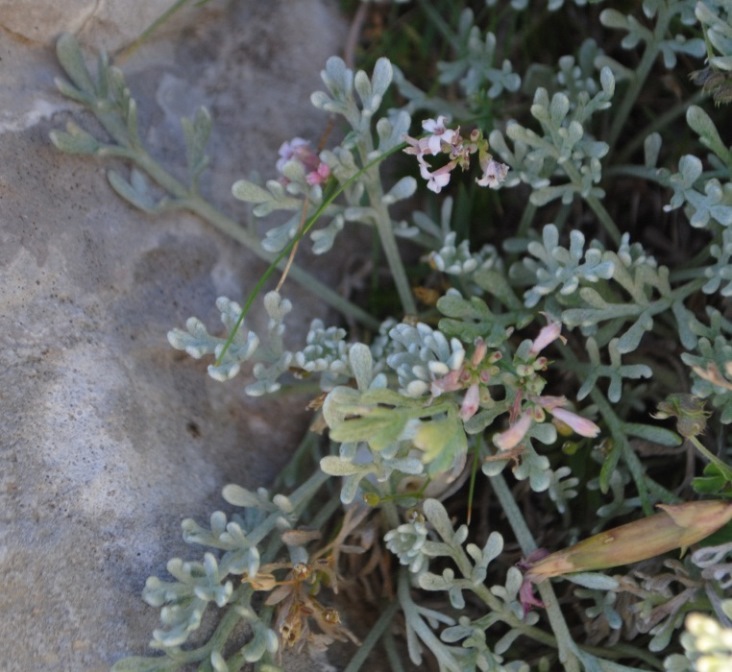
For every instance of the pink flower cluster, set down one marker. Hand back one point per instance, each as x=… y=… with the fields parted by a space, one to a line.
x=442 y=140
x=524 y=415
x=298 y=149
x=471 y=376
x=474 y=376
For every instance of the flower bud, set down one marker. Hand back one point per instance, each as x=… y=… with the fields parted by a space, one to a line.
x=514 y=434
x=371 y=499
x=677 y=526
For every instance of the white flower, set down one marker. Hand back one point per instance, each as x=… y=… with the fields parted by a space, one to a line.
x=438 y=134
x=493 y=174
x=437 y=179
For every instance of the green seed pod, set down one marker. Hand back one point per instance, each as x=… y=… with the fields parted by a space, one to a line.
x=677 y=526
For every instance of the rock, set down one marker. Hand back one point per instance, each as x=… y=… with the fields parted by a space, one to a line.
x=110 y=437
x=108 y=25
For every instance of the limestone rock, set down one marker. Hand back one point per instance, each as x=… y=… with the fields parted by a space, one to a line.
x=109 y=437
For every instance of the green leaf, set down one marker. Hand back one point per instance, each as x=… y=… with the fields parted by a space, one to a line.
x=436 y=513
x=75 y=140
x=247 y=191
x=336 y=466
x=135 y=191
x=497 y=285
x=236 y=495
x=442 y=441
x=709 y=485
x=609 y=464
x=196 y=132
x=470 y=319
x=381 y=428
x=702 y=124
x=660 y=435
x=72 y=61
x=359 y=357
x=73 y=93
x=593 y=581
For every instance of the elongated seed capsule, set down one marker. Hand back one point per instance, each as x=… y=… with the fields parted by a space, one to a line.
x=676 y=526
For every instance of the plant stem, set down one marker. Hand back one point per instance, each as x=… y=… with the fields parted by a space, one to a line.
x=566 y=646
x=597 y=207
x=629 y=456
x=513 y=513
x=657 y=123
x=383 y=223
x=378 y=629
x=641 y=74
x=388 y=242
x=526 y=220
x=395 y=661
x=420 y=628
x=165 y=16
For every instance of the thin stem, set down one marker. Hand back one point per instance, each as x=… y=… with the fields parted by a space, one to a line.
x=390 y=512
x=420 y=628
x=659 y=122
x=641 y=74
x=562 y=215
x=439 y=23
x=566 y=646
x=629 y=456
x=165 y=16
x=597 y=207
x=302 y=460
x=526 y=220
x=378 y=629
x=619 y=650
x=386 y=235
x=383 y=223
x=724 y=469
x=605 y=219
x=392 y=653
x=513 y=513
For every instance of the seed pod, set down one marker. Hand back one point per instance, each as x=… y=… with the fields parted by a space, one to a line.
x=677 y=526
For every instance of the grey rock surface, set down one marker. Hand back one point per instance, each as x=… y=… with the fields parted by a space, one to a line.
x=109 y=437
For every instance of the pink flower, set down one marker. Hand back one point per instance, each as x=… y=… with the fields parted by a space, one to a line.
x=292 y=149
x=514 y=434
x=438 y=134
x=318 y=176
x=481 y=349
x=547 y=335
x=580 y=425
x=583 y=426
x=493 y=174
x=449 y=383
x=471 y=403
x=417 y=146
x=298 y=150
x=527 y=598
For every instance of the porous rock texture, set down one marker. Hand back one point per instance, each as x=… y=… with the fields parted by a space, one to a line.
x=109 y=437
